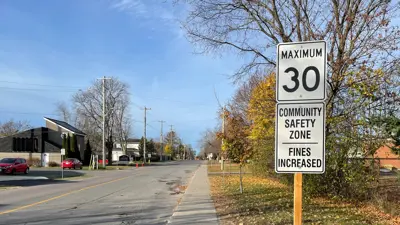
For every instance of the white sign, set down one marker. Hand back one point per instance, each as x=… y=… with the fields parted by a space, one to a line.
x=149 y=155
x=63 y=151
x=300 y=138
x=301 y=71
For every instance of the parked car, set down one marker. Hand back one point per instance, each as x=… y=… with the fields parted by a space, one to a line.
x=14 y=165
x=72 y=163
x=101 y=162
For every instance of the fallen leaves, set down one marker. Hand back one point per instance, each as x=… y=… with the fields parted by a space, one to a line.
x=267 y=201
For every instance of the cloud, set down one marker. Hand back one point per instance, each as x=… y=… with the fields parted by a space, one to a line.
x=134 y=6
x=156 y=15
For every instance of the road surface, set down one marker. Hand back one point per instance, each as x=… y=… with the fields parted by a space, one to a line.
x=135 y=196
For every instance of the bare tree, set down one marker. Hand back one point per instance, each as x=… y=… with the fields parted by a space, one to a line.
x=12 y=127
x=88 y=105
x=64 y=112
x=124 y=124
x=209 y=143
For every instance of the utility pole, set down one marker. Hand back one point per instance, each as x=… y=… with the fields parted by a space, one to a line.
x=104 y=78
x=184 y=152
x=161 y=139
x=145 y=140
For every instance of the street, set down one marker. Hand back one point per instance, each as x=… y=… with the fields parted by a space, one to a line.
x=134 y=196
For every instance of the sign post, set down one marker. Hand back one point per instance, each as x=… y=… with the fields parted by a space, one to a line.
x=300 y=113
x=62 y=169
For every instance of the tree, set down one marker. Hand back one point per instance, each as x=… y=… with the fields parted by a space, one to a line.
x=172 y=139
x=88 y=105
x=87 y=154
x=64 y=113
x=12 y=127
x=68 y=150
x=74 y=147
x=390 y=126
x=72 y=144
x=141 y=147
x=209 y=142
x=235 y=141
x=261 y=111
x=151 y=147
x=65 y=145
x=362 y=55
x=168 y=149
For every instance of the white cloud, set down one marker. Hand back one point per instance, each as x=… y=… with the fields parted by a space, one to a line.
x=153 y=14
x=133 y=6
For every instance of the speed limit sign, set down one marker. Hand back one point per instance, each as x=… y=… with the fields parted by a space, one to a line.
x=301 y=71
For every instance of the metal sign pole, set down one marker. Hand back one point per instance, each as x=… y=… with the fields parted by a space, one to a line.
x=62 y=169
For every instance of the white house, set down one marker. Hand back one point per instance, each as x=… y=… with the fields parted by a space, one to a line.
x=132 y=149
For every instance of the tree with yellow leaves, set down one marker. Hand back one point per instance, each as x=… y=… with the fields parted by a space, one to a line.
x=168 y=150
x=261 y=113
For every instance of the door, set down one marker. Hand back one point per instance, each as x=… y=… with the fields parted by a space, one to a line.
x=18 y=165
x=45 y=159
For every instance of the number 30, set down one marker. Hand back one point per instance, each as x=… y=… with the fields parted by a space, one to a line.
x=295 y=79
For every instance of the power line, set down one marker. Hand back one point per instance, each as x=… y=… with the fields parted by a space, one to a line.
x=43 y=85
x=33 y=113
x=36 y=89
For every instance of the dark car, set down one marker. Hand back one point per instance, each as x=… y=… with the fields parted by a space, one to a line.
x=14 y=165
x=72 y=163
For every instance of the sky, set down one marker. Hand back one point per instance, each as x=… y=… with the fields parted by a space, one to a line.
x=51 y=49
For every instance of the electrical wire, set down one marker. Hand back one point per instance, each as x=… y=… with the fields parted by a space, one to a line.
x=43 y=85
x=36 y=89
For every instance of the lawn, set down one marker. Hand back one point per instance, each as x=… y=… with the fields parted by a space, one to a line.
x=229 y=167
x=110 y=167
x=267 y=201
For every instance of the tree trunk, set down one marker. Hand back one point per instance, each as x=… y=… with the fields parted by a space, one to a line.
x=241 y=179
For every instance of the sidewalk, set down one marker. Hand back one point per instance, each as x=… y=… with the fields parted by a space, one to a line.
x=196 y=206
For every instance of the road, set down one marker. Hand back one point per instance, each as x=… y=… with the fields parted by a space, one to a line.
x=136 y=196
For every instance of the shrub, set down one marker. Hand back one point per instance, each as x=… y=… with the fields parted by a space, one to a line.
x=34 y=162
x=53 y=164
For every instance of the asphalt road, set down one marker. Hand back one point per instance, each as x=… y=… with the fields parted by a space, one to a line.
x=136 y=196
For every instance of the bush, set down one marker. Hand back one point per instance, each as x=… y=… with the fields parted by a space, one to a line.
x=53 y=164
x=36 y=162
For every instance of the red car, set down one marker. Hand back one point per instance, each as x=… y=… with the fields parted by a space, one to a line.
x=72 y=164
x=101 y=162
x=14 y=165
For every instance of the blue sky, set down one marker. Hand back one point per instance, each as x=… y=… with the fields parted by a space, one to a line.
x=50 y=49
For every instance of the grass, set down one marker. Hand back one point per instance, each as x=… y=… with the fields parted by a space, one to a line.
x=5 y=187
x=83 y=176
x=229 y=167
x=121 y=167
x=267 y=201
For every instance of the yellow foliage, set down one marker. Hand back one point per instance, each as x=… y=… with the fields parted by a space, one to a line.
x=168 y=149
x=261 y=109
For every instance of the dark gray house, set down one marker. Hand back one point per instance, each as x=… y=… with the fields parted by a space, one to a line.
x=42 y=142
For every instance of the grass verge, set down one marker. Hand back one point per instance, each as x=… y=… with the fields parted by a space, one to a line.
x=83 y=176
x=5 y=187
x=229 y=167
x=267 y=201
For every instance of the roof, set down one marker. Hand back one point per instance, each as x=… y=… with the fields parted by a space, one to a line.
x=66 y=126
x=133 y=140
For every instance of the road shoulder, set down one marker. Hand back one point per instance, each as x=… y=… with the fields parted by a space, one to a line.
x=196 y=206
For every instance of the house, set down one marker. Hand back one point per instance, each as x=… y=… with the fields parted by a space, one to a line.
x=386 y=157
x=43 y=143
x=132 y=149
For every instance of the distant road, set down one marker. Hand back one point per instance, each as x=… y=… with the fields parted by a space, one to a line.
x=134 y=196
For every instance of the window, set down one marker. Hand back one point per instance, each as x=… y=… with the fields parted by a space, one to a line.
x=7 y=160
